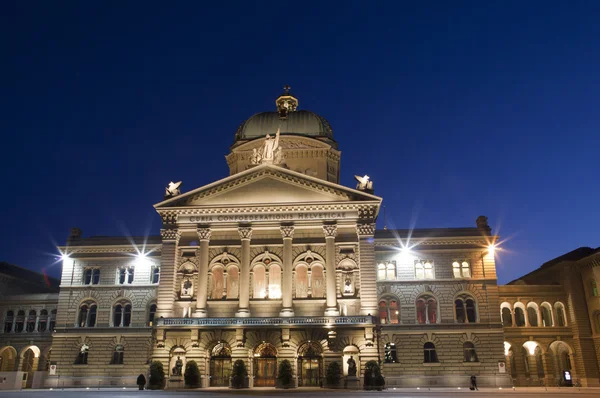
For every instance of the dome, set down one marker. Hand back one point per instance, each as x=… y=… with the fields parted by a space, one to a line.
x=304 y=123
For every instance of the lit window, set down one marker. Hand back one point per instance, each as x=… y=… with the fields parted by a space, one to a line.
x=301 y=284
x=233 y=282
x=260 y=290
x=461 y=269
x=390 y=355
x=429 y=353
x=275 y=281
x=423 y=269
x=317 y=281
x=390 y=271
x=389 y=312
x=118 y=354
x=470 y=355
x=218 y=284
x=426 y=310
x=381 y=272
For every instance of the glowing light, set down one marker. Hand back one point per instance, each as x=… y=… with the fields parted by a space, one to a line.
x=506 y=348
x=141 y=259
x=274 y=291
x=491 y=248
x=64 y=256
x=530 y=346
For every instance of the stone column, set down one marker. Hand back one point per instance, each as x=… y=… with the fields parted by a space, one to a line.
x=202 y=292
x=287 y=232
x=368 y=269
x=167 y=291
x=244 y=306
x=330 y=233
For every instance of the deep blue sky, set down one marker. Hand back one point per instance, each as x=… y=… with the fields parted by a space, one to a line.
x=455 y=109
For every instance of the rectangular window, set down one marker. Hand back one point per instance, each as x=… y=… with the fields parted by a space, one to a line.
x=91 y=276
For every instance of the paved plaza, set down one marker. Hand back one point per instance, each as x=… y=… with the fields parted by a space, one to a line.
x=309 y=392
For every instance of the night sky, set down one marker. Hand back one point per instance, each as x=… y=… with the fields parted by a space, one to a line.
x=455 y=109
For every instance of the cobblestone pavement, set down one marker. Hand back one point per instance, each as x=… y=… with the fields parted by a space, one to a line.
x=305 y=392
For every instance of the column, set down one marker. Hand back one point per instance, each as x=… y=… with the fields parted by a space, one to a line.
x=368 y=269
x=330 y=233
x=244 y=306
x=167 y=290
x=202 y=288
x=287 y=233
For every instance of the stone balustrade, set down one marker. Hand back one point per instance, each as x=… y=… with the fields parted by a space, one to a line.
x=275 y=321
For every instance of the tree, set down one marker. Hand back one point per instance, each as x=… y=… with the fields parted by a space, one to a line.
x=157 y=376
x=333 y=374
x=192 y=374
x=373 y=377
x=285 y=375
x=239 y=374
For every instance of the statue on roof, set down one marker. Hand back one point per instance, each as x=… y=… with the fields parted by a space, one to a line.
x=172 y=189
x=269 y=152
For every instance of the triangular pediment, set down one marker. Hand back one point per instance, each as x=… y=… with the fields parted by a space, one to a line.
x=267 y=184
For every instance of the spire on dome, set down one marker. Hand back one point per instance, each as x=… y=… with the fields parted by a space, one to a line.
x=286 y=103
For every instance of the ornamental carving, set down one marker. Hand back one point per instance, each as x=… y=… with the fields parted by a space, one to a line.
x=204 y=234
x=245 y=233
x=169 y=217
x=365 y=229
x=170 y=234
x=287 y=231
x=330 y=230
x=367 y=212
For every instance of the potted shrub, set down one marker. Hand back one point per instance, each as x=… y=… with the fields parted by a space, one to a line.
x=192 y=375
x=239 y=375
x=157 y=376
x=373 y=378
x=333 y=375
x=285 y=376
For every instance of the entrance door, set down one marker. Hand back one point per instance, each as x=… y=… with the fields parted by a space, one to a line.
x=220 y=372
x=264 y=371
x=310 y=375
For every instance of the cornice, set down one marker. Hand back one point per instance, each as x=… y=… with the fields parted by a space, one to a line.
x=434 y=242
x=369 y=207
x=108 y=249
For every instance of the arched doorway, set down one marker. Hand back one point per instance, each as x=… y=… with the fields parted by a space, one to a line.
x=29 y=363
x=309 y=364
x=265 y=365
x=220 y=365
x=8 y=359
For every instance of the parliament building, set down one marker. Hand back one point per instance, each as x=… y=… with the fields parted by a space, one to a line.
x=279 y=261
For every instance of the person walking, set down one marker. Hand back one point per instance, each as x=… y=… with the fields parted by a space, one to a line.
x=141 y=381
x=474 y=383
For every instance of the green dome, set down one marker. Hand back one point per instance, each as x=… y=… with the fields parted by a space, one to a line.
x=304 y=123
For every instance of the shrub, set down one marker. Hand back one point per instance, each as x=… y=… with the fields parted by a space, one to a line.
x=157 y=376
x=373 y=377
x=285 y=376
x=192 y=374
x=333 y=374
x=239 y=374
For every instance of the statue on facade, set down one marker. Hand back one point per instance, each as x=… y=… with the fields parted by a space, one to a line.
x=269 y=152
x=351 y=367
x=178 y=367
x=270 y=146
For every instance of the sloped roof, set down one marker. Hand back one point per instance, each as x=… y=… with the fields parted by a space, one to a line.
x=18 y=280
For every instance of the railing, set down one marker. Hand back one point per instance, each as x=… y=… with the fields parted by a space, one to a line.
x=277 y=321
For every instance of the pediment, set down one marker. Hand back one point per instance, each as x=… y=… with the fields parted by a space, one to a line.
x=266 y=184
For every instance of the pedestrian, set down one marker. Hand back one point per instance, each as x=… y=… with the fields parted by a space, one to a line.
x=141 y=381
x=474 y=383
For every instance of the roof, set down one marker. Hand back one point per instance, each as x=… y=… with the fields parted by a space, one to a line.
x=18 y=280
x=115 y=240
x=303 y=122
x=429 y=233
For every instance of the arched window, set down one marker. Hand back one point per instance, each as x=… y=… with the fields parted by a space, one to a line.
x=539 y=363
x=91 y=276
x=87 y=315
x=390 y=355
x=82 y=356
x=301 y=281
x=459 y=307
x=31 y=318
x=20 y=322
x=122 y=314
x=218 y=283
x=274 y=281
x=561 y=319
x=525 y=356
x=389 y=311
x=506 y=317
x=151 y=314
x=43 y=321
x=426 y=310
x=423 y=269
x=125 y=275
x=155 y=274
x=260 y=283
x=390 y=271
x=317 y=281
x=519 y=316
x=118 y=354
x=429 y=354
x=461 y=269
x=465 y=310
x=547 y=315
x=470 y=355
x=381 y=272
x=52 y=323
x=532 y=314
x=594 y=288
x=8 y=321
x=233 y=282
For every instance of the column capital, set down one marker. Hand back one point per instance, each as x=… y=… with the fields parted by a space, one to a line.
x=245 y=233
x=330 y=230
x=169 y=234
x=365 y=230
x=204 y=233
x=287 y=231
